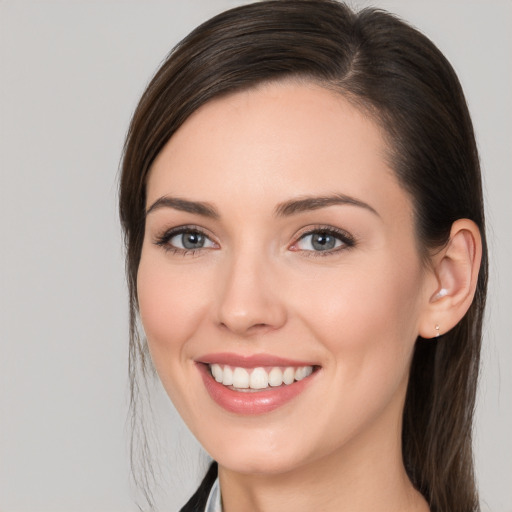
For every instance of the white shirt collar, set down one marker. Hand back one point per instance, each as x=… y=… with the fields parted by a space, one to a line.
x=214 y=503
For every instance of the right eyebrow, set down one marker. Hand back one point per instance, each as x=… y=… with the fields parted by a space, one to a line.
x=183 y=205
x=304 y=204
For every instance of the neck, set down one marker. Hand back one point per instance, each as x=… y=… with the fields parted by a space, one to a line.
x=365 y=474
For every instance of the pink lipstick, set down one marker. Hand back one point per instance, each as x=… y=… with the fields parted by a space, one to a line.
x=254 y=384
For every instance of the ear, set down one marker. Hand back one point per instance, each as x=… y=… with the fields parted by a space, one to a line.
x=454 y=277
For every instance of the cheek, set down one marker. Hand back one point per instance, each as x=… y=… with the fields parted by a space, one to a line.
x=368 y=325
x=170 y=306
x=367 y=319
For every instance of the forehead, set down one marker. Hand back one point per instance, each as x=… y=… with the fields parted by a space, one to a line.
x=279 y=139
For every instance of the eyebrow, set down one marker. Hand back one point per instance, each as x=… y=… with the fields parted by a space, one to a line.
x=197 y=207
x=285 y=209
x=304 y=204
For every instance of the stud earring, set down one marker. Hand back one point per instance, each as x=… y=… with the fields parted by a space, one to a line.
x=437 y=331
x=441 y=293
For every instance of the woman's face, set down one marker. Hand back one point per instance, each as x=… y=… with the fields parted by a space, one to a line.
x=278 y=238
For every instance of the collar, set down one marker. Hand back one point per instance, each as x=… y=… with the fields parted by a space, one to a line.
x=214 y=503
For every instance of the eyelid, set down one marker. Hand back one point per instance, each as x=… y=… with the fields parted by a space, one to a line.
x=346 y=238
x=163 y=239
x=348 y=241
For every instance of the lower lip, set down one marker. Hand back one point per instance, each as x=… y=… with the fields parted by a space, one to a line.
x=251 y=402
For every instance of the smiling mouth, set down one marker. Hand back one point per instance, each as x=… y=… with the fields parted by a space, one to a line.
x=256 y=384
x=260 y=378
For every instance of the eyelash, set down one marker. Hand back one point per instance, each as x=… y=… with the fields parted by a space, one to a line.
x=345 y=238
x=164 y=239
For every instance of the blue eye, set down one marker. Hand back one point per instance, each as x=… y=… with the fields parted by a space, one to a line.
x=185 y=239
x=190 y=240
x=323 y=240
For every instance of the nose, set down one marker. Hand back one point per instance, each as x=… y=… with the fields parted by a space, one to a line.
x=249 y=298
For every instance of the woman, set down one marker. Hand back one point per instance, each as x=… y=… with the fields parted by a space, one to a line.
x=302 y=206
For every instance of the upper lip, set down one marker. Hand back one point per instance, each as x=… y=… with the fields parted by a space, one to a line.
x=252 y=361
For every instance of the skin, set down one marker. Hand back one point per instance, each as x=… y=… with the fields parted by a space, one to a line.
x=258 y=287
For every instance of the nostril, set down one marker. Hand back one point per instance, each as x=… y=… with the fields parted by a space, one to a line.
x=247 y=329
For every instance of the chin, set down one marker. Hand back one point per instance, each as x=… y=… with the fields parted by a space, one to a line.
x=254 y=462
x=264 y=452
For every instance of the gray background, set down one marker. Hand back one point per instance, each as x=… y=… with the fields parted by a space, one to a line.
x=70 y=75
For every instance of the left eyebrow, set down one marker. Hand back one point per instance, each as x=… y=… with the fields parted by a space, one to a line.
x=305 y=204
x=184 y=205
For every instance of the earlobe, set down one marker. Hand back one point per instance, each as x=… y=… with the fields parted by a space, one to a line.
x=455 y=269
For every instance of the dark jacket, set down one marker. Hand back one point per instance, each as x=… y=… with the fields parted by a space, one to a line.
x=198 y=501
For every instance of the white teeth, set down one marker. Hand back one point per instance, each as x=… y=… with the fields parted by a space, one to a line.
x=303 y=372
x=240 y=378
x=227 y=378
x=217 y=372
x=288 y=375
x=259 y=378
x=275 y=377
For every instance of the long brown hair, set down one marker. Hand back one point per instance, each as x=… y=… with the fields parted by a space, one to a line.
x=399 y=77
